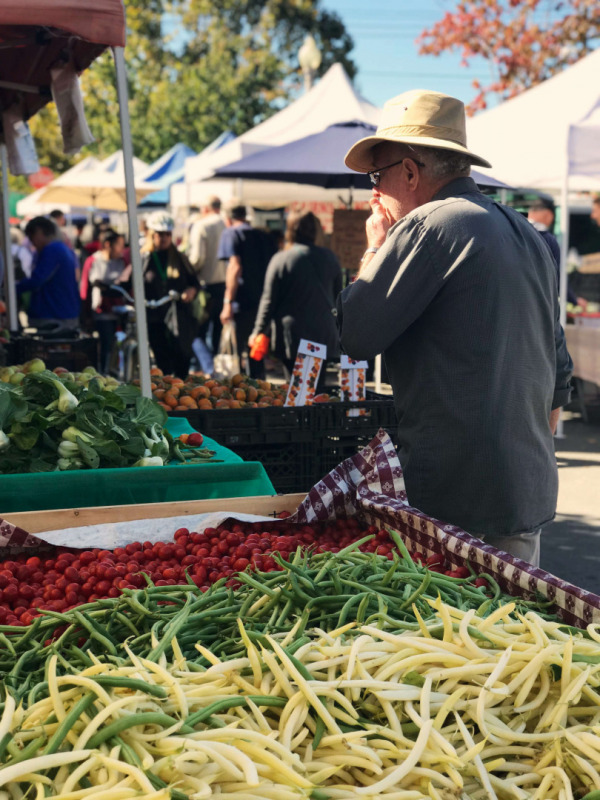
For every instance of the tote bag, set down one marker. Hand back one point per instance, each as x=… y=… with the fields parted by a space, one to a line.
x=227 y=360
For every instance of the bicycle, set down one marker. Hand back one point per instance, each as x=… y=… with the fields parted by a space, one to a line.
x=123 y=363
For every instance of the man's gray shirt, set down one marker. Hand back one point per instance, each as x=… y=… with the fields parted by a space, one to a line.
x=462 y=300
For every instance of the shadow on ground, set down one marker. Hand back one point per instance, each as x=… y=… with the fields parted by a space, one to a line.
x=571 y=551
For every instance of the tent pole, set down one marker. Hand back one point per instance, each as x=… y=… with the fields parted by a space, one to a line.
x=378 y=373
x=134 y=235
x=563 y=278
x=9 y=270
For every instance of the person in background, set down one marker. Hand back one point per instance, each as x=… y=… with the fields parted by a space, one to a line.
x=145 y=233
x=459 y=293
x=53 y=282
x=58 y=217
x=204 y=238
x=171 y=330
x=595 y=215
x=78 y=244
x=299 y=294
x=107 y=267
x=60 y=220
x=542 y=214
x=23 y=253
x=247 y=251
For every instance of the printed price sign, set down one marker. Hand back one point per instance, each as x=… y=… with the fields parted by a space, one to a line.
x=353 y=378
x=305 y=375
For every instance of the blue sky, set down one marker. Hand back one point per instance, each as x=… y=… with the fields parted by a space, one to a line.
x=384 y=33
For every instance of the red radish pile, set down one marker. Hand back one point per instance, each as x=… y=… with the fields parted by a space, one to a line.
x=67 y=578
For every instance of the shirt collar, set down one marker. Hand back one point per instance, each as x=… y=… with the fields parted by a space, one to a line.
x=456 y=187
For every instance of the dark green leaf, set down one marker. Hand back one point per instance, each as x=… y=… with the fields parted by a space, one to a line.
x=128 y=394
x=110 y=453
x=88 y=454
x=148 y=412
x=24 y=436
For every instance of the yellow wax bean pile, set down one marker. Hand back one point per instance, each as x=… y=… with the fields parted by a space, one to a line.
x=501 y=707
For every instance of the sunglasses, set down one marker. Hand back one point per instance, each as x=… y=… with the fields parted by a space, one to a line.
x=375 y=174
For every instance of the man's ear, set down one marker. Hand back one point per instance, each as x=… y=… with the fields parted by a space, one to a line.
x=412 y=173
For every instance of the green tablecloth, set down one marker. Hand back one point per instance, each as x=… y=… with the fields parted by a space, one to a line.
x=108 y=487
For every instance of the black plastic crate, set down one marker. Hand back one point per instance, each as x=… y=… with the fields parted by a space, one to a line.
x=333 y=449
x=233 y=427
x=73 y=354
x=337 y=417
x=290 y=465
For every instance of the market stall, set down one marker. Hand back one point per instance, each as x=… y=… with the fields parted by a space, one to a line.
x=80 y=440
x=584 y=346
x=362 y=650
x=37 y=39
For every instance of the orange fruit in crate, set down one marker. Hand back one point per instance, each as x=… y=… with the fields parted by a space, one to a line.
x=222 y=404
x=159 y=393
x=170 y=400
x=181 y=408
x=204 y=403
x=239 y=394
x=234 y=404
x=200 y=391
x=212 y=382
x=251 y=394
x=237 y=379
x=156 y=371
x=278 y=401
x=187 y=402
x=218 y=391
x=165 y=406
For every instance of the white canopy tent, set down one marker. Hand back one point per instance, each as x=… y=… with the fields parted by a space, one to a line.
x=333 y=99
x=100 y=185
x=33 y=204
x=548 y=138
x=582 y=153
x=526 y=138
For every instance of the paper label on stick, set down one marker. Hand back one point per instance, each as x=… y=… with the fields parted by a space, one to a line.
x=349 y=363
x=305 y=375
x=353 y=381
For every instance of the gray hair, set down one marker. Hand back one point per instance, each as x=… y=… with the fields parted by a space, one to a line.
x=442 y=163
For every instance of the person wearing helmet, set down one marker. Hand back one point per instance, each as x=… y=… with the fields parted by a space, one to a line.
x=166 y=269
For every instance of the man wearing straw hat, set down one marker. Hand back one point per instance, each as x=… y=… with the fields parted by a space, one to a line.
x=460 y=294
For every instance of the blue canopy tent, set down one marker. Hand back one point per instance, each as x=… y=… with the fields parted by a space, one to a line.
x=169 y=169
x=318 y=160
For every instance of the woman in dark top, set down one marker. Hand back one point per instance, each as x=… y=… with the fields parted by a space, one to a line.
x=300 y=291
x=171 y=329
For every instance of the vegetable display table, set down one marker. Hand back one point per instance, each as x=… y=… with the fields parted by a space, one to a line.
x=584 y=346
x=229 y=477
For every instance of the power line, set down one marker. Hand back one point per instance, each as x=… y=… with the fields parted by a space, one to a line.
x=434 y=75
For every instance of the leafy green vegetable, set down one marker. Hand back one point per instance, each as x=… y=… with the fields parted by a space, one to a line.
x=48 y=423
x=147 y=412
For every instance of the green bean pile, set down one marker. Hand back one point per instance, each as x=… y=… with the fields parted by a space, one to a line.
x=323 y=591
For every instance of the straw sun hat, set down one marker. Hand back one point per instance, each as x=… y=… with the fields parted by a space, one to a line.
x=419 y=117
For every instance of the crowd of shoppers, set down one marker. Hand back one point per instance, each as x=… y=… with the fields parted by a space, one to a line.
x=225 y=272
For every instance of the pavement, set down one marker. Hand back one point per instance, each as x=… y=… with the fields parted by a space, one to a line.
x=571 y=544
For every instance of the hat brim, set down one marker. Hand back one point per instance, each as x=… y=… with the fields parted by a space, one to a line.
x=360 y=156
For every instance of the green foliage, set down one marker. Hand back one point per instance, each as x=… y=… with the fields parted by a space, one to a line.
x=523 y=41
x=224 y=64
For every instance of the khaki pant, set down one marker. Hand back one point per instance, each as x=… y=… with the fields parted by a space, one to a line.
x=525 y=546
